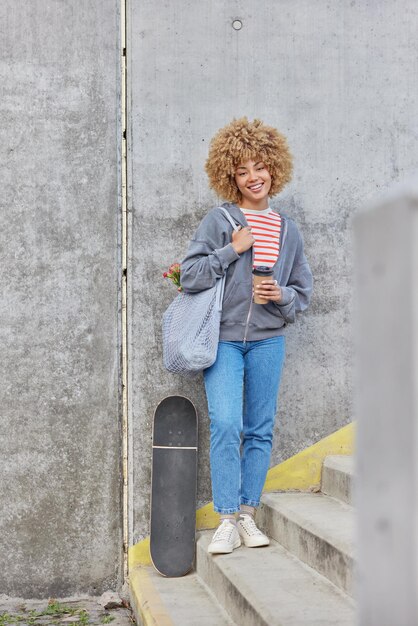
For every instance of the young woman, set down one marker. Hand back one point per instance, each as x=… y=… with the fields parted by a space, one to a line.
x=248 y=163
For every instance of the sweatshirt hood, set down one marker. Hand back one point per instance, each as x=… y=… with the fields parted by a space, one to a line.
x=239 y=216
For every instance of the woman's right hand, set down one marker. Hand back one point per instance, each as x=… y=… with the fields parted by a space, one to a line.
x=242 y=239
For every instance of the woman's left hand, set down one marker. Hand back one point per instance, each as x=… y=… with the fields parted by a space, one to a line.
x=269 y=290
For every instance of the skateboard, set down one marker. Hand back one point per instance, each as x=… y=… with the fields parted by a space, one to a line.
x=173 y=486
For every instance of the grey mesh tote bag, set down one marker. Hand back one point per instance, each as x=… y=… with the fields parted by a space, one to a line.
x=191 y=327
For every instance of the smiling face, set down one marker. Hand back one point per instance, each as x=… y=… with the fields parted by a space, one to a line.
x=254 y=182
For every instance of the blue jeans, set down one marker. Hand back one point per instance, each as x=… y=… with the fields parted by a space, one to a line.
x=241 y=388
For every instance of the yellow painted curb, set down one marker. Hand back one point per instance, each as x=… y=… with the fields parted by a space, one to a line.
x=303 y=470
x=206 y=517
x=300 y=472
x=147 y=600
x=139 y=554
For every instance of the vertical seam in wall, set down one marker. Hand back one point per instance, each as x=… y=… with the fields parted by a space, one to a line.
x=125 y=420
x=414 y=364
x=129 y=247
x=129 y=237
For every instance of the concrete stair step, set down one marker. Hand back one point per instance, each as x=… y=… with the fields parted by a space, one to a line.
x=338 y=476
x=183 y=601
x=304 y=577
x=271 y=587
x=316 y=528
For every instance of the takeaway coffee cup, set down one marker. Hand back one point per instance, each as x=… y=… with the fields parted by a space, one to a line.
x=260 y=273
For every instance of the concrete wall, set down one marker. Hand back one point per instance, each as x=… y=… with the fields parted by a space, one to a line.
x=60 y=513
x=337 y=79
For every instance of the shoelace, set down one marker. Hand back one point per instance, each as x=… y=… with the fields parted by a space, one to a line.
x=224 y=531
x=250 y=525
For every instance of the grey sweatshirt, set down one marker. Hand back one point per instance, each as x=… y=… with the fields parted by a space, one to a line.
x=210 y=255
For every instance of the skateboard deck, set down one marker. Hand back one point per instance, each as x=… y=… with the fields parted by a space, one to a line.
x=173 y=486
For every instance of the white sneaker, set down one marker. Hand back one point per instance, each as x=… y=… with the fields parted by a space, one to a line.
x=225 y=539
x=251 y=535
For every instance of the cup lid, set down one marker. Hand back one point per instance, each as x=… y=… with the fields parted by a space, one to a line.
x=262 y=270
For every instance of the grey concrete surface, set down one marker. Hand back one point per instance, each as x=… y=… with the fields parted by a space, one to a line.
x=319 y=530
x=269 y=586
x=337 y=79
x=182 y=601
x=387 y=406
x=60 y=476
x=338 y=477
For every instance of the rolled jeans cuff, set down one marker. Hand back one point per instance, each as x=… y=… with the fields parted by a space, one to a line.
x=225 y=511
x=250 y=502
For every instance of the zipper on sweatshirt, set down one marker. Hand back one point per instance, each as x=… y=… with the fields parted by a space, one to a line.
x=248 y=319
x=251 y=301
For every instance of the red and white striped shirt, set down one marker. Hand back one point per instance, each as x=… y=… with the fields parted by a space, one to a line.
x=265 y=227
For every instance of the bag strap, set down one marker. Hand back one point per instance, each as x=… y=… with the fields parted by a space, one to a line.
x=221 y=282
x=229 y=217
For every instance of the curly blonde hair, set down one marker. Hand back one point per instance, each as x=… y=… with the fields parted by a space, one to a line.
x=240 y=141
